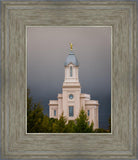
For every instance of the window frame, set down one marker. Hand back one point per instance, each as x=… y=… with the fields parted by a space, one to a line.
x=55 y=111
x=71 y=71
x=72 y=111
x=88 y=112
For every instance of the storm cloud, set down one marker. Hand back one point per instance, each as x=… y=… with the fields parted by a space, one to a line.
x=47 y=49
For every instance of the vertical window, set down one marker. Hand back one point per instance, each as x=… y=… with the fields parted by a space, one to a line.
x=70 y=71
x=88 y=122
x=71 y=112
x=54 y=112
x=88 y=112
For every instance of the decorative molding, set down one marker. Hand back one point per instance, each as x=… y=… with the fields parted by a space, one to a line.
x=16 y=143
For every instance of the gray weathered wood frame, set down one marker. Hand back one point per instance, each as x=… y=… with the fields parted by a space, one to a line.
x=16 y=143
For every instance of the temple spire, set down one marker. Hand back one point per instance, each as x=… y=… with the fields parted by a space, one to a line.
x=71 y=58
x=71 y=46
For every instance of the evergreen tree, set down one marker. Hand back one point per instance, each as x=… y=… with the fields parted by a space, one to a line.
x=34 y=115
x=70 y=127
x=82 y=123
x=60 y=125
x=53 y=125
x=45 y=126
x=100 y=130
x=90 y=130
x=109 y=121
x=29 y=102
x=37 y=122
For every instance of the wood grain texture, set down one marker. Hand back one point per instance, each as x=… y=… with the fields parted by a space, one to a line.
x=16 y=143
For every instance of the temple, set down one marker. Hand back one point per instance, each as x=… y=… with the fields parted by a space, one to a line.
x=71 y=100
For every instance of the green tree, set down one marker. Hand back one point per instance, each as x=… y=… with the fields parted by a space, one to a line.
x=82 y=123
x=53 y=125
x=37 y=122
x=29 y=111
x=109 y=121
x=90 y=130
x=34 y=115
x=100 y=130
x=60 y=125
x=45 y=125
x=70 y=127
x=29 y=102
x=34 y=119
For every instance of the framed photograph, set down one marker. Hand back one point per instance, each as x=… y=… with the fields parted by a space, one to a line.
x=69 y=84
x=69 y=56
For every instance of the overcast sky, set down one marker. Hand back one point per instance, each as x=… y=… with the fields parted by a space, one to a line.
x=47 y=49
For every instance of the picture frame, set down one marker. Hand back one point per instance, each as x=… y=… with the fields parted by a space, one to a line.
x=16 y=142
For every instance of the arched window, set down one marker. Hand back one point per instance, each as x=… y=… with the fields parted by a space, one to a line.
x=70 y=71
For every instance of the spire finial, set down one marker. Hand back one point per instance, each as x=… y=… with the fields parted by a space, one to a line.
x=71 y=46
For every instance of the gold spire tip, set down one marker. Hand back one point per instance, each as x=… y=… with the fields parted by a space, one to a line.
x=71 y=46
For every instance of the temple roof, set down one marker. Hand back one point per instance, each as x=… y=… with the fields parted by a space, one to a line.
x=71 y=58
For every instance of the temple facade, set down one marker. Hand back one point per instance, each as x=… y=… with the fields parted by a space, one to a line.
x=71 y=100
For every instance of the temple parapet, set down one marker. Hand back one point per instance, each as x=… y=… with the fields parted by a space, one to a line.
x=91 y=102
x=53 y=102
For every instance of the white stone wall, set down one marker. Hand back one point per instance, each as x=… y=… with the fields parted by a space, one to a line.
x=83 y=98
x=75 y=74
x=53 y=107
x=93 y=115
x=75 y=102
x=60 y=105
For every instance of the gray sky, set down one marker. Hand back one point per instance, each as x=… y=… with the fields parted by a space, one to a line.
x=47 y=49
